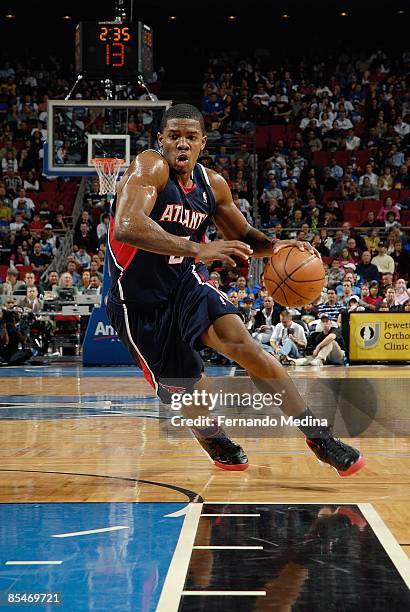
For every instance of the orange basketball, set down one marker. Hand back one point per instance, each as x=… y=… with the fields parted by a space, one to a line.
x=294 y=277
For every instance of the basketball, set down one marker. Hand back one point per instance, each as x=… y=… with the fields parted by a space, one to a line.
x=294 y=277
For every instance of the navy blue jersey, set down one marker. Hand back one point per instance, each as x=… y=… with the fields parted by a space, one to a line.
x=147 y=279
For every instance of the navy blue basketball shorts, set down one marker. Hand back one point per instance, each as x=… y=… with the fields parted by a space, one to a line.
x=165 y=341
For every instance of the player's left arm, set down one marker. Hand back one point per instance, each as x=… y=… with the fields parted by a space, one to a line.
x=233 y=225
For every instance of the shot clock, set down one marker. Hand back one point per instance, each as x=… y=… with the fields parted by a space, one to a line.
x=111 y=50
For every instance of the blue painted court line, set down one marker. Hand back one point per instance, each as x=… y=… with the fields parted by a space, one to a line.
x=90 y=372
x=113 y=571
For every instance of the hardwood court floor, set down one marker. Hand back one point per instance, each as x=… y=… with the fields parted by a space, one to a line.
x=77 y=437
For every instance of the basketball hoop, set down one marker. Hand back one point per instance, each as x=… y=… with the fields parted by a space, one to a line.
x=107 y=169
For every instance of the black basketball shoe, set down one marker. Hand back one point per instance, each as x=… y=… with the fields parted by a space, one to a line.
x=224 y=453
x=345 y=459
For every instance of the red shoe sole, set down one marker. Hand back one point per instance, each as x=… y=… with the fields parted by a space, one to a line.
x=361 y=462
x=235 y=467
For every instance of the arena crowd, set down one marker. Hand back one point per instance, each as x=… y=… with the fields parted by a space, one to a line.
x=325 y=142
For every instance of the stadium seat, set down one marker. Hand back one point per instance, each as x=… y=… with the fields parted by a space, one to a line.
x=355 y=206
x=261 y=137
x=389 y=193
x=22 y=270
x=321 y=158
x=405 y=218
x=368 y=205
x=3 y=272
x=330 y=195
x=352 y=216
x=362 y=156
x=276 y=132
x=342 y=157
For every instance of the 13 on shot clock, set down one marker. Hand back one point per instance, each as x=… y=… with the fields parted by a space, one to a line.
x=113 y=50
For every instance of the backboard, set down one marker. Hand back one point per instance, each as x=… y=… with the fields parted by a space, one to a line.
x=79 y=130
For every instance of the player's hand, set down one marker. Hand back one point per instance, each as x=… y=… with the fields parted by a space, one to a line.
x=223 y=250
x=302 y=246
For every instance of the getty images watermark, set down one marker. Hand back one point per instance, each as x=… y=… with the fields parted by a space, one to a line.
x=242 y=402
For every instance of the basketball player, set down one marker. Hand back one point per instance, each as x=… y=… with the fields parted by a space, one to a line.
x=160 y=302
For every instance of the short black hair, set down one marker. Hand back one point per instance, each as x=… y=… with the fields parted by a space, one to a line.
x=182 y=111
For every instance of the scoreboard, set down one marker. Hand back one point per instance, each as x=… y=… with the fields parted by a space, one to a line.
x=111 y=50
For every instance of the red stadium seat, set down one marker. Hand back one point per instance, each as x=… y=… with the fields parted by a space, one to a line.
x=277 y=132
x=262 y=137
x=342 y=157
x=3 y=272
x=362 y=157
x=404 y=193
x=405 y=218
x=352 y=216
x=355 y=206
x=369 y=205
x=330 y=195
x=321 y=158
x=22 y=270
x=389 y=193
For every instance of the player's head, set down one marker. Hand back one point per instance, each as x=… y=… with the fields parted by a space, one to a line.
x=182 y=137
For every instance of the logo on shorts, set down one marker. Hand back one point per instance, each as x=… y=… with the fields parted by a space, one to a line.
x=368 y=335
x=205 y=197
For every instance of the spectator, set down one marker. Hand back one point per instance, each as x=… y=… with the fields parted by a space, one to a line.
x=32 y=301
x=288 y=338
x=85 y=238
x=18 y=222
x=38 y=260
x=372 y=240
x=31 y=182
x=83 y=259
x=368 y=191
x=66 y=282
x=94 y=269
x=366 y=270
x=72 y=270
x=102 y=228
x=335 y=274
x=389 y=301
x=332 y=307
x=23 y=204
x=373 y=299
x=85 y=281
x=401 y=128
x=246 y=312
x=328 y=345
x=355 y=304
x=354 y=252
x=388 y=207
x=368 y=173
x=371 y=220
x=264 y=321
x=382 y=261
x=346 y=292
x=352 y=142
x=402 y=294
x=338 y=244
x=50 y=283
x=49 y=241
x=385 y=182
x=401 y=259
x=11 y=284
x=95 y=284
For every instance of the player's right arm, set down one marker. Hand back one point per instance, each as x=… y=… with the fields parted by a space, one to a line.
x=137 y=192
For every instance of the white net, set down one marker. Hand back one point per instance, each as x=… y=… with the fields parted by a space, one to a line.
x=107 y=169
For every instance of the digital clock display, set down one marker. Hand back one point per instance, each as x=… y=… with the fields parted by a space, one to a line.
x=107 y=50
